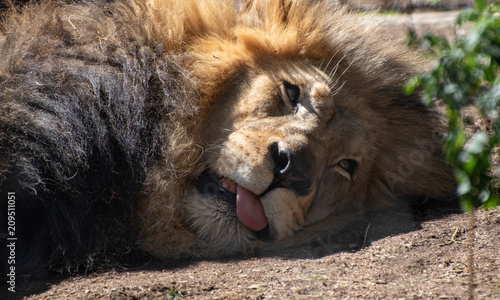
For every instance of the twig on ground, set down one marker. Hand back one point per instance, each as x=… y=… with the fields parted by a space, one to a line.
x=366 y=234
x=452 y=240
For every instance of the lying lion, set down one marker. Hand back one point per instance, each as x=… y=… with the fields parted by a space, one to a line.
x=194 y=128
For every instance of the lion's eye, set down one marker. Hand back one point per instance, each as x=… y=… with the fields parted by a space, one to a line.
x=348 y=165
x=292 y=92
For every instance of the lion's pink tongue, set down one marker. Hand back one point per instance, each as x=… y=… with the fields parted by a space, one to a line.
x=250 y=210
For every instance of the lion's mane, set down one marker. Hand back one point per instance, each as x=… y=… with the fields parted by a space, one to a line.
x=87 y=101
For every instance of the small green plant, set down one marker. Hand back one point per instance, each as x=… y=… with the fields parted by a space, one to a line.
x=173 y=295
x=467 y=74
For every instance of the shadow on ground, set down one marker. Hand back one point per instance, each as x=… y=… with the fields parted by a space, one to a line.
x=361 y=233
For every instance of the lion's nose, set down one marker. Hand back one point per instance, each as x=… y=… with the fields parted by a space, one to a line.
x=284 y=162
x=290 y=170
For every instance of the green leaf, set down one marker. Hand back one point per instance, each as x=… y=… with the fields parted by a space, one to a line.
x=478 y=142
x=464 y=185
x=411 y=85
x=466 y=203
x=492 y=202
x=469 y=162
x=484 y=195
x=480 y=5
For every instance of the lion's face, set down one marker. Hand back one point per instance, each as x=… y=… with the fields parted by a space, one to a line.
x=273 y=138
x=299 y=117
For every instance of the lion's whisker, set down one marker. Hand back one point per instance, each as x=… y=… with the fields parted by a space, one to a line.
x=336 y=81
x=334 y=70
x=321 y=63
x=331 y=59
x=338 y=89
x=226 y=129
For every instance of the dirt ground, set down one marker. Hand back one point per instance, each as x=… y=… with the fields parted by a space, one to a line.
x=429 y=253
x=393 y=254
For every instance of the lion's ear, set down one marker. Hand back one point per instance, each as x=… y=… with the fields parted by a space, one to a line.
x=257 y=12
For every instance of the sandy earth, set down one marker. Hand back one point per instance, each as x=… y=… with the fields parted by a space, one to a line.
x=391 y=255
x=396 y=254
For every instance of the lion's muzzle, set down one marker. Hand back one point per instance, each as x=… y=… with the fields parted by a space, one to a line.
x=290 y=172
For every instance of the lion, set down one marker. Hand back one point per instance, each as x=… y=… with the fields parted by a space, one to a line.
x=200 y=128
